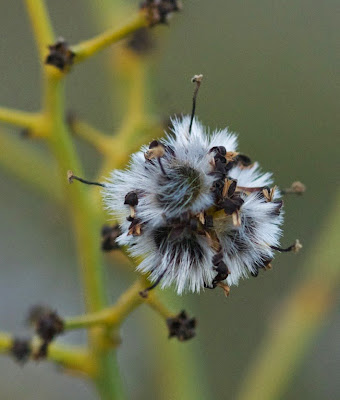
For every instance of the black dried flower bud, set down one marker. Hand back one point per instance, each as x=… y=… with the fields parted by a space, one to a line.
x=244 y=160
x=109 y=236
x=36 y=312
x=264 y=263
x=141 y=41
x=60 y=55
x=42 y=352
x=49 y=326
x=208 y=221
x=159 y=11
x=21 y=349
x=222 y=272
x=153 y=144
x=131 y=199
x=47 y=322
x=232 y=188
x=219 y=150
x=255 y=272
x=231 y=205
x=217 y=258
x=278 y=207
x=181 y=326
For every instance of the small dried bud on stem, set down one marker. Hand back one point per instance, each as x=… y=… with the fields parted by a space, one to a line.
x=295 y=188
x=182 y=326
x=109 y=236
x=47 y=324
x=197 y=79
x=60 y=55
x=71 y=177
x=141 y=42
x=21 y=349
x=295 y=247
x=159 y=11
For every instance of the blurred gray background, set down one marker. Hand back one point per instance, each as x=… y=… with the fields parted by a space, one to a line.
x=270 y=74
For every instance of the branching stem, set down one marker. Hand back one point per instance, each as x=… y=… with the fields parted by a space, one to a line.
x=115 y=315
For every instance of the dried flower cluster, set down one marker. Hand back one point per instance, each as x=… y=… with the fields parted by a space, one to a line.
x=60 y=55
x=159 y=11
x=198 y=212
x=47 y=324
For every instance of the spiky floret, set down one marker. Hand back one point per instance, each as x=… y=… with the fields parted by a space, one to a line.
x=197 y=212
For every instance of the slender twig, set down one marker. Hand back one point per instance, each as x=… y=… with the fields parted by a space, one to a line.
x=92 y=135
x=20 y=118
x=115 y=315
x=30 y=166
x=89 y=47
x=5 y=342
x=70 y=357
x=73 y=358
x=197 y=79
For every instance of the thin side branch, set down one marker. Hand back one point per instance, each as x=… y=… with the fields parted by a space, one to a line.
x=30 y=167
x=90 y=47
x=31 y=121
x=115 y=315
x=89 y=133
x=70 y=357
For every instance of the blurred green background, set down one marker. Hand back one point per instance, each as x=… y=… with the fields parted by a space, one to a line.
x=270 y=73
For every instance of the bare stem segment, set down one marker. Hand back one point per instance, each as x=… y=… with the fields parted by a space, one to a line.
x=89 y=47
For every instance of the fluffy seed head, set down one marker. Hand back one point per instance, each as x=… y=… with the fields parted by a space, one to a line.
x=198 y=212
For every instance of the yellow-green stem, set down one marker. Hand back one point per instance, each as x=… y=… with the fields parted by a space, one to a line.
x=5 y=342
x=92 y=135
x=86 y=230
x=73 y=358
x=70 y=357
x=115 y=315
x=19 y=118
x=89 y=47
x=30 y=166
x=85 y=225
x=41 y=24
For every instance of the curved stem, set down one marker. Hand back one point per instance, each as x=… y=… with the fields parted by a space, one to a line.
x=115 y=315
x=89 y=47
